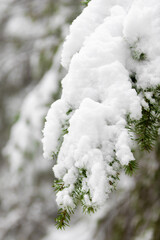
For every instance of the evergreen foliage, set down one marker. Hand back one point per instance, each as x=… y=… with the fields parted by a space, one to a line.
x=146 y=129
x=142 y=130
x=63 y=218
x=78 y=195
x=131 y=168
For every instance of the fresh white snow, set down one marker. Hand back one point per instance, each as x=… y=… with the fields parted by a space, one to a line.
x=101 y=52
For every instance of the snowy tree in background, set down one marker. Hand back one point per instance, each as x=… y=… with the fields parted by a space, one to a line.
x=109 y=104
x=29 y=82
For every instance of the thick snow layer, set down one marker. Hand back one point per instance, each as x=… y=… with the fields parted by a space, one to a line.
x=143 y=34
x=85 y=24
x=104 y=47
x=57 y=117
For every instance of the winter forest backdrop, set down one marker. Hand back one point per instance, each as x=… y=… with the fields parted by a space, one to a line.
x=32 y=34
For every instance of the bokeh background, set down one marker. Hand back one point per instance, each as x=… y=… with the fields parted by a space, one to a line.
x=32 y=33
x=31 y=36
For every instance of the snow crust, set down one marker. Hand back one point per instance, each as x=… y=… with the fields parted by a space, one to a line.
x=98 y=94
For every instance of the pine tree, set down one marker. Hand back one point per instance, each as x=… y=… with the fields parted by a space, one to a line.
x=110 y=103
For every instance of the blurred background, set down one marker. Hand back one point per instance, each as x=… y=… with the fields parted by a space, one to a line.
x=31 y=36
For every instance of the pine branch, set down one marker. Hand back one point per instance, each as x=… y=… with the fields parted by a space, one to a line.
x=146 y=129
x=63 y=218
x=77 y=195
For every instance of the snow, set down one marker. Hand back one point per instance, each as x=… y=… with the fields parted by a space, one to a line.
x=82 y=27
x=87 y=22
x=57 y=116
x=143 y=33
x=100 y=53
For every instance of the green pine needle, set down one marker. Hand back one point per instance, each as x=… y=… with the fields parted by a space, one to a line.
x=85 y=2
x=146 y=129
x=131 y=168
x=89 y=209
x=58 y=185
x=69 y=111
